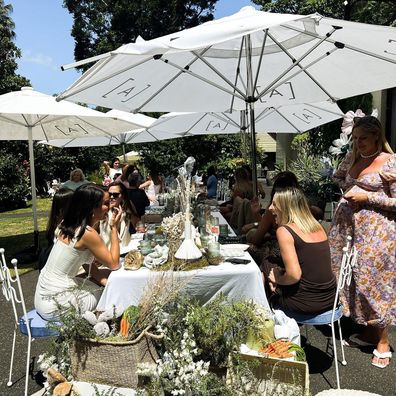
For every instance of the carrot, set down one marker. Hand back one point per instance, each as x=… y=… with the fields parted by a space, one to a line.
x=124 y=327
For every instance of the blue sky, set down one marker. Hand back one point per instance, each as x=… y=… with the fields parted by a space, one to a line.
x=43 y=34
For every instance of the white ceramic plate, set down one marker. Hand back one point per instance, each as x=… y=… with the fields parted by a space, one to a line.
x=239 y=246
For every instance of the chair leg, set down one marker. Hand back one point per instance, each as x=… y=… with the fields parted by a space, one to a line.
x=9 y=383
x=27 y=365
x=335 y=354
x=343 y=362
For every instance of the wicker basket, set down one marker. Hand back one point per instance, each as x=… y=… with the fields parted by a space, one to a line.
x=112 y=363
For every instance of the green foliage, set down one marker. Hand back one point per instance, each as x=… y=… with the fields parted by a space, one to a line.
x=100 y=26
x=9 y=53
x=220 y=151
x=309 y=169
x=14 y=183
x=380 y=12
x=219 y=327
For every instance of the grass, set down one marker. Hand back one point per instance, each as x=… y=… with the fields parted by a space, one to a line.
x=16 y=233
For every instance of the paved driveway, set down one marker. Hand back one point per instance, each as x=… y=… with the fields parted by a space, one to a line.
x=358 y=374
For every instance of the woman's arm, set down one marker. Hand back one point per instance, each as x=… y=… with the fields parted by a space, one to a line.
x=292 y=272
x=378 y=199
x=266 y=223
x=340 y=174
x=145 y=184
x=92 y=241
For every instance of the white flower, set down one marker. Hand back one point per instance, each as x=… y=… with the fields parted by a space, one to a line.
x=341 y=145
x=347 y=123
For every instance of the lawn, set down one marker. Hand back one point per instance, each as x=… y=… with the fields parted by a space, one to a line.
x=16 y=233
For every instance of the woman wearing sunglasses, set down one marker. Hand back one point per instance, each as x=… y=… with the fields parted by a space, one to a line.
x=119 y=199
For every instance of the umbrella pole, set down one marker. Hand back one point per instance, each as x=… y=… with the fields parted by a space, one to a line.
x=33 y=186
x=253 y=148
x=123 y=152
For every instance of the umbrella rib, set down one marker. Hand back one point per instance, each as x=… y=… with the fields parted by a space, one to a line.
x=350 y=47
x=224 y=78
x=226 y=118
x=285 y=118
x=260 y=60
x=237 y=74
x=296 y=62
x=94 y=126
x=12 y=121
x=87 y=86
x=195 y=123
x=295 y=74
x=322 y=109
x=181 y=71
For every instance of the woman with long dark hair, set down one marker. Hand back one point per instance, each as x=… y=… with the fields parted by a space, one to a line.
x=78 y=243
x=118 y=194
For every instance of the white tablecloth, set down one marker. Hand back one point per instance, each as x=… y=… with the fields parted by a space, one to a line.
x=243 y=281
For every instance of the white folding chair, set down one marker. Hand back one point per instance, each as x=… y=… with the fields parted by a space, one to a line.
x=30 y=323
x=349 y=259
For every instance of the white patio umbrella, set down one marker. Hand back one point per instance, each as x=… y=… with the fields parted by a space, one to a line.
x=137 y=135
x=31 y=115
x=251 y=57
x=280 y=119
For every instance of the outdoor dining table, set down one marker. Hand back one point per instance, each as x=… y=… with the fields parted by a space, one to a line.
x=236 y=281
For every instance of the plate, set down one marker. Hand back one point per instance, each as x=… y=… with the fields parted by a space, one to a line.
x=238 y=246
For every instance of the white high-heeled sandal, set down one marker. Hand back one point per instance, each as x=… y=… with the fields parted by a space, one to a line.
x=383 y=355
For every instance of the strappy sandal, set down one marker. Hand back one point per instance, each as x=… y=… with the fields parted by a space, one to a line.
x=383 y=355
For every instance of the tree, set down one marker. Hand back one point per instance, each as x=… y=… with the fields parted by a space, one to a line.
x=9 y=53
x=378 y=12
x=101 y=26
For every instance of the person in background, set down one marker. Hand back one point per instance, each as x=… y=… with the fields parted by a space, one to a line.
x=113 y=169
x=77 y=179
x=153 y=186
x=126 y=171
x=304 y=282
x=137 y=196
x=60 y=204
x=78 y=243
x=367 y=213
x=211 y=183
x=118 y=194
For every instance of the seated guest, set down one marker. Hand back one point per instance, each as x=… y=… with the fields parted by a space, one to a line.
x=78 y=243
x=137 y=196
x=304 y=283
x=60 y=204
x=77 y=179
x=119 y=200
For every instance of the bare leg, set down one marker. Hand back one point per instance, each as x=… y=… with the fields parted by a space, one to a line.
x=97 y=275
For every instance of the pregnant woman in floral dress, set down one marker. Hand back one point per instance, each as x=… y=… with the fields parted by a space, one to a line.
x=367 y=212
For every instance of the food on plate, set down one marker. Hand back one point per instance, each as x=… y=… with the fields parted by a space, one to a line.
x=278 y=349
x=133 y=260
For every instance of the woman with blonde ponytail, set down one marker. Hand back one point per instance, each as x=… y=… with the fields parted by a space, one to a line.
x=304 y=283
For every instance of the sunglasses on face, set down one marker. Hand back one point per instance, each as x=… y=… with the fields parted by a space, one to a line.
x=114 y=194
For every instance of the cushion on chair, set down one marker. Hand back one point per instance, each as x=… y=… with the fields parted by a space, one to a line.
x=319 y=319
x=38 y=325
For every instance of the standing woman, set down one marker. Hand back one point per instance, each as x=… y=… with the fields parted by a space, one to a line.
x=153 y=186
x=118 y=194
x=367 y=212
x=113 y=169
x=78 y=243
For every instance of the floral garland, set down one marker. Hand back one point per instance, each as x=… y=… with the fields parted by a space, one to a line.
x=342 y=145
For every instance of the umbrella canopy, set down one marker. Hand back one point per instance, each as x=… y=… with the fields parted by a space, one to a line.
x=251 y=56
x=281 y=119
x=30 y=115
x=138 y=135
x=234 y=62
